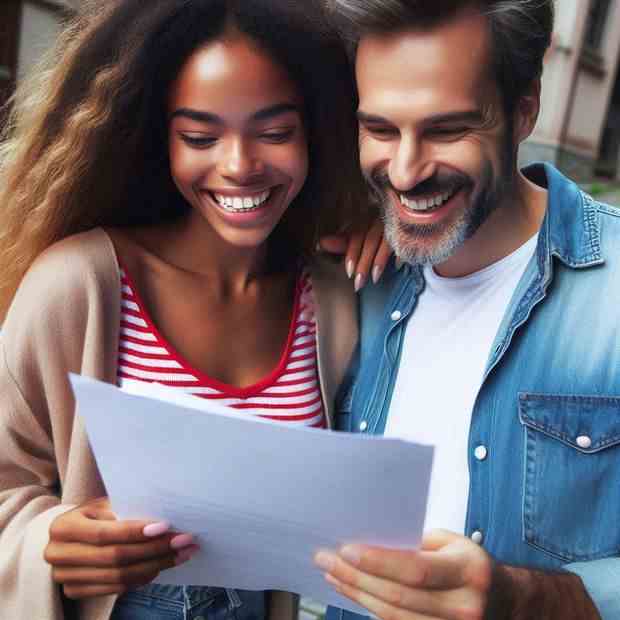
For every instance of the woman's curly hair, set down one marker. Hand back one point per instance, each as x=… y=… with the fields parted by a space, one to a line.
x=85 y=142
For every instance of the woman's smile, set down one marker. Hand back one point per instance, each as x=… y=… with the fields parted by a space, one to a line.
x=238 y=149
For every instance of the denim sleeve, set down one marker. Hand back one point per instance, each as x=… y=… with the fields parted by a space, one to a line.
x=601 y=579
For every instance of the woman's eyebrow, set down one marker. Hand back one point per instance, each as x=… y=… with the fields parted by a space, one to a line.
x=262 y=115
x=275 y=110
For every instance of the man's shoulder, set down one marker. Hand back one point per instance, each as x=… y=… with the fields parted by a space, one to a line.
x=609 y=226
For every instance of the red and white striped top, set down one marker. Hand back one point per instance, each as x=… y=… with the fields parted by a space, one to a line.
x=291 y=393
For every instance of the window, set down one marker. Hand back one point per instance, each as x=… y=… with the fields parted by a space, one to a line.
x=597 y=20
x=10 y=14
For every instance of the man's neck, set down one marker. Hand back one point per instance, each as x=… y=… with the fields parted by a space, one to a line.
x=510 y=226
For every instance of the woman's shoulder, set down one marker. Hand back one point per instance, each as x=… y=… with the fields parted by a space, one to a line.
x=68 y=276
x=79 y=254
x=328 y=276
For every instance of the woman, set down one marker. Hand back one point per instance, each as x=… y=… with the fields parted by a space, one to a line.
x=162 y=186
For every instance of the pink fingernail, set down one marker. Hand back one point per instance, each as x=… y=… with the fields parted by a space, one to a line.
x=156 y=529
x=331 y=580
x=376 y=273
x=185 y=555
x=325 y=560
x=181 y=541
x=351 y=554
x=350 y=268
x=359 y=282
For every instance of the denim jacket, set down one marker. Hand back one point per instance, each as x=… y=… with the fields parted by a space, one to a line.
x=547 y=493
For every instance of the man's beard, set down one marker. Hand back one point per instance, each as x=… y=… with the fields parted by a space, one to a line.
x=432 y=244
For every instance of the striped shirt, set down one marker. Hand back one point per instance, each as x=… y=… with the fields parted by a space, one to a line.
x=291 y=393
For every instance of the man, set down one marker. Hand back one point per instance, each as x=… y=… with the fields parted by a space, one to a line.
x=498 y=340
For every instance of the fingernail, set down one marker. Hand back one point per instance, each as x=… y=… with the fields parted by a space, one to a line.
x=325 y=560
x=181 y=541
x=351 y=554
x=377 y=270
x=156 y=529
x=185 y=555
x=350 y=268
x=359 y=282
x=332 y=580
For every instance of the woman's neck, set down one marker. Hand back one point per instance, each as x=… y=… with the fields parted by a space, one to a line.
x=192 y=245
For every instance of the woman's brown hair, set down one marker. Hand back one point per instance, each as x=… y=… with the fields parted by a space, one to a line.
x=85 y=144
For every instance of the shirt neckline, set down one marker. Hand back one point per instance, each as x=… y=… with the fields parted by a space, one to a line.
x=206 y=380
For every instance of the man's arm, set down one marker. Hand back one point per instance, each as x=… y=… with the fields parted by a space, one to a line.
x=452 y=578
x=519 y=593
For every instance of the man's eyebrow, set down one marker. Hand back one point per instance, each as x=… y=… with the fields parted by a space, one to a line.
x=262 y=115
x=371 y=118
x=466 y=116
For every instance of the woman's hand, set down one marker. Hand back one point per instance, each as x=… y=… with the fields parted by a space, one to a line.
x=366 y=252
x=94 y=554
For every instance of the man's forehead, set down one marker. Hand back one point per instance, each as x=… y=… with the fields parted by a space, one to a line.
x=460 y=44
x=450 y=61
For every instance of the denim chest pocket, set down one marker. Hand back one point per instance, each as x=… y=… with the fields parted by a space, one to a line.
x=571 y=498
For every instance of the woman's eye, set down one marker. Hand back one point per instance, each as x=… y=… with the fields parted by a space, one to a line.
x=277 y=137
x=200 y=142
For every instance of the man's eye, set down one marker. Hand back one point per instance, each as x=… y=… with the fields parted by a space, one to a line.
x=380 y=131
x=447 y=132
x=199 y=142
x=277 y=137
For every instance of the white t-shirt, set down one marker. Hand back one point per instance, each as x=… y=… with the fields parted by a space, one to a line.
x=445 y=351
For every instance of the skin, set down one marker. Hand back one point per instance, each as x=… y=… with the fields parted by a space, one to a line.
x=412 y=128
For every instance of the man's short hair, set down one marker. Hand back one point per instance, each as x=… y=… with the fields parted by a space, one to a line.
x=520 y=31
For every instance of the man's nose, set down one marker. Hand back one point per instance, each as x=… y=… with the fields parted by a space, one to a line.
x=411 y=164
x=237 y=160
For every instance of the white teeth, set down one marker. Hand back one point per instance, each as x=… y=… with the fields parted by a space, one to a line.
x=425 y=203
x=242 y=203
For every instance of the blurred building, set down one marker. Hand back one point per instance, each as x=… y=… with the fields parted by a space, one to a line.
x=27 y=28
x=579 y=125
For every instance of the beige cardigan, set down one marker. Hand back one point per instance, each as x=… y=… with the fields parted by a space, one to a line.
x=65 y=318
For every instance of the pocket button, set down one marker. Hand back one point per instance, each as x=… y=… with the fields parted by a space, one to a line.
x=583 y=441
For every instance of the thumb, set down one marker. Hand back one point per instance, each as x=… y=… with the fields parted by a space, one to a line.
x=437 y=539
x=99 y=509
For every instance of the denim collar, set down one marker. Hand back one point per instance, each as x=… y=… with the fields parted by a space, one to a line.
x=570 y=229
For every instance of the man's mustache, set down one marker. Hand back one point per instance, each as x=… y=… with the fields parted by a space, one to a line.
x=437 y=184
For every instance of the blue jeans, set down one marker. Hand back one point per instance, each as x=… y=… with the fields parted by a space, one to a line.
x=159 y=602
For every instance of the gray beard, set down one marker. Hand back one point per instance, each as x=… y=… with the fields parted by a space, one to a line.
x=435 y=243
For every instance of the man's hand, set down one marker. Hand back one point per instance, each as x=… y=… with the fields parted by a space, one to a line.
x=448 y=578
x=93 y=554
x=451 y=578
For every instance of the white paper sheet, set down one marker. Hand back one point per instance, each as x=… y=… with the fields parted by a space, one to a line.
x=260 y=497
